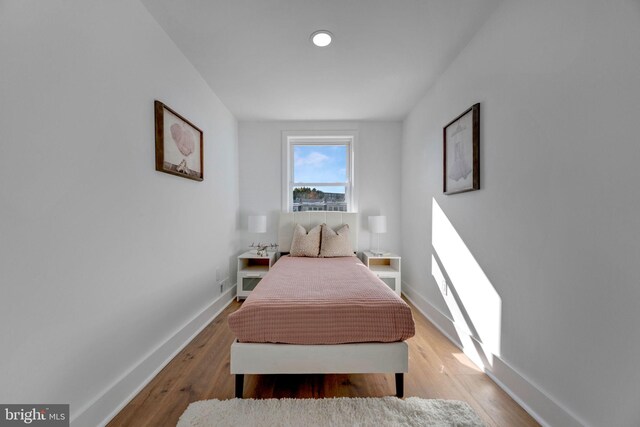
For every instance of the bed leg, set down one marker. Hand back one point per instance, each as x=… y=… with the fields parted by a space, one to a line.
x=239 y=385
x=400 y=384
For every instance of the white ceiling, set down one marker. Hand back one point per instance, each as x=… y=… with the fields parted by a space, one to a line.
x=257 y=57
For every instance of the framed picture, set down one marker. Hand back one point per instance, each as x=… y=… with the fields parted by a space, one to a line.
x=461 y=152
x=178 y=144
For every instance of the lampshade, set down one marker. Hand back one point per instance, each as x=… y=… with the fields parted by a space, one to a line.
x=378 y=224
x=258 y=223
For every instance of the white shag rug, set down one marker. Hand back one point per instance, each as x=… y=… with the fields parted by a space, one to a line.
x=343 y=411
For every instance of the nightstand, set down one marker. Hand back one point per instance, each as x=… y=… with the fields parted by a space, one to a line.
x=251 y=269
x=386 y=267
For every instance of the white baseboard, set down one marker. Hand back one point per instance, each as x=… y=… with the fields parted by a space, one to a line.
x=536 y=402
x=106 y=406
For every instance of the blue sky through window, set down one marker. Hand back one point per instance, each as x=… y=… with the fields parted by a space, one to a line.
x=320 y=164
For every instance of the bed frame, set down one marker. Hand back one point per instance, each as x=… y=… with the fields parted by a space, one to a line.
x=357 y=358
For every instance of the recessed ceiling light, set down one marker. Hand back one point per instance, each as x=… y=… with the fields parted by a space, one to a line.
x=321 y=38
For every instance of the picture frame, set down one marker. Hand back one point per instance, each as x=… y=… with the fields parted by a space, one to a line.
x=179 y=144
x=461 y=153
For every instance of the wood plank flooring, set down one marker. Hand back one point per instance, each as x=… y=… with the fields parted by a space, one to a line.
x=437 y=370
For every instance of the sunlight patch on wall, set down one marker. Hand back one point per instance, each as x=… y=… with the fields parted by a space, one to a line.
x=459 y=321
x=470 y=296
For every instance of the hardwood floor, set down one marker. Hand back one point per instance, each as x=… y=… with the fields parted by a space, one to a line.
x=437 y=370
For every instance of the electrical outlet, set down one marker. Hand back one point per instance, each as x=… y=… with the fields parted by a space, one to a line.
x=445 y=288
x=221 y=287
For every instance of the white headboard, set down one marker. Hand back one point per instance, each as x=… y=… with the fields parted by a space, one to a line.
x=310 y=219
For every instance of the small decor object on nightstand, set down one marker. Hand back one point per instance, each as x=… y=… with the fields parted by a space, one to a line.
x=377 y=225
x=263 y=248
x=178 y=144
x=386 y=267
x=461 y=152
x=251 y=269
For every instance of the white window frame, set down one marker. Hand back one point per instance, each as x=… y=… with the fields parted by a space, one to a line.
x=291 y=139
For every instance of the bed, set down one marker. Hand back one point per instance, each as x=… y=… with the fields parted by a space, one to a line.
x=320 y=315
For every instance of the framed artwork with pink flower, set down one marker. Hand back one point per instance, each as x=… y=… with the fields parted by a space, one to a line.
x=178 y=144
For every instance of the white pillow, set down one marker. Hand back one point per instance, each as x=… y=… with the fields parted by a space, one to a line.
x=335 y=244
x=305 y=244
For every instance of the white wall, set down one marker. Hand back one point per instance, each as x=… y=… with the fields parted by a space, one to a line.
x=555 y=225
x=101 y=257
x=377 y=174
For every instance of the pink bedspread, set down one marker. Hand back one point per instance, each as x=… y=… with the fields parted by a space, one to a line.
x=322 y=301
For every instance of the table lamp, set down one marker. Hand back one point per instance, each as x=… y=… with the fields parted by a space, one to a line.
x=257 y=224
x=378 y=225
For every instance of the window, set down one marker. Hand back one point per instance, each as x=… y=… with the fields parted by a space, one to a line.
x=319 y=172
